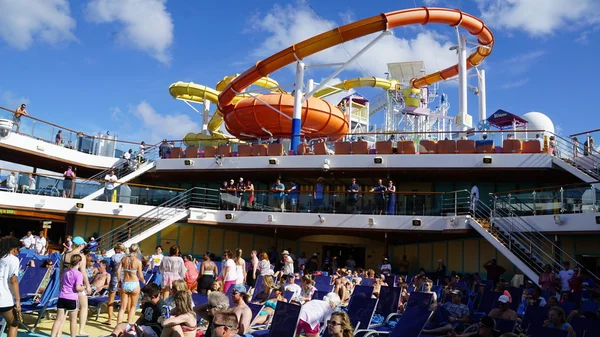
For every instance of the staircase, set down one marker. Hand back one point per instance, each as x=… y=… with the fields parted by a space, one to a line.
x=93 y=187
x=159 y=218
x=570 y=157
x=129 y=175
x=527 y=248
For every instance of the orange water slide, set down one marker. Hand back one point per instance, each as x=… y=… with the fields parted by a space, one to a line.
x=254 y=121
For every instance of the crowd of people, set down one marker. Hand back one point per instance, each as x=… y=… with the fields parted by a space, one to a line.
x=168 y=309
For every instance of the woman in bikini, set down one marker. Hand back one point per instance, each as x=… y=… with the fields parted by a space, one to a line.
x=208 y=271
x=183 y=318
x=77 y=246
x=131 y=267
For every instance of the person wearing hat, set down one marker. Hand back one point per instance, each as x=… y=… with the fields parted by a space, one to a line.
x=449 y=316
x=93 y=245
x=288 y=264
x=487 y=328
x=503 y=311
x=240 y=298
x=386 y=267
x=77 y=246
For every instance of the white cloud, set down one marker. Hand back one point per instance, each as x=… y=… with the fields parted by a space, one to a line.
x=153 y=126
x=286 y=25
x=538 y=17
x=516 y=84
x=11 y=101
x=147 y=25
x=24 y=21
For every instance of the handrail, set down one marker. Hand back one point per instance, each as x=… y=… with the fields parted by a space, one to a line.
x=540 y=189
x=531 y=229
x=385 y=133
x=65 y=128
x=88 y=179
x=583 y=133
x=181 y=202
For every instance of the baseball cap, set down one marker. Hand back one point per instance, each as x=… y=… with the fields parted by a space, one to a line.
x=503 y=299
x=239 y=288
x=456 y=292
x=78 y=240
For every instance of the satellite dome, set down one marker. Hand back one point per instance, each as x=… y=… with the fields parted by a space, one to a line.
x=538 y=121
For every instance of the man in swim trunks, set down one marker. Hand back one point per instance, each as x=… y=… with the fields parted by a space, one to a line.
x=102 y=279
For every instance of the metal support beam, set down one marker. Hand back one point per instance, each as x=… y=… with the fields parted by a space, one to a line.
x=297 y=117
x=482 y=94
x=462 y=77
x=342 y=67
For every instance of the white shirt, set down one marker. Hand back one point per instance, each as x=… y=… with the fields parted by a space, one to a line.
x=11 y=181
x=386 y=268
x=315 y=311
x=565 y=276
x=475 y=192
x=127 y=156
x=40 y=244
x=232 y=276
x=110 y=181
x=142 y=148
x=9 y=267
x=288 y=267
x=28 y=241
x=296 y=289
x=155 y=260
x=32 y=183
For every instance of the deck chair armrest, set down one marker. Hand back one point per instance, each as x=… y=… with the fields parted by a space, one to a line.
x=392 y=315
x=367 y=332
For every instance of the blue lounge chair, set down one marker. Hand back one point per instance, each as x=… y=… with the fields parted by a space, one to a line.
x=284 y=322
x=47 y=301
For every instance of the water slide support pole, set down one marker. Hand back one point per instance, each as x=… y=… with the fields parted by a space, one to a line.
x=297 y=116
x=205 y=116
x=352 y=59
x=482 y=98
x=462 y=78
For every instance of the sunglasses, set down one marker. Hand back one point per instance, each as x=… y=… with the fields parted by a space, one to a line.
x=333 y=323
x=214 y=326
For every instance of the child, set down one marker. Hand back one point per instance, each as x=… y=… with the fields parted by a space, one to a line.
x=67 y=245
x=71 y=284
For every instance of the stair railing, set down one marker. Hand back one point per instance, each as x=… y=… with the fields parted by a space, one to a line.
x=575 y=154
x=538 y=245
x=505 y=233
x=121 y=167
x=193 y=198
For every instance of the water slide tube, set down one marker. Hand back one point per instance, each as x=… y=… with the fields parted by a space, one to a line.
x=357 y=83
x=250 y=116
x=198 y=93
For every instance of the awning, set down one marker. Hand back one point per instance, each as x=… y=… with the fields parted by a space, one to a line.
x=503 y=119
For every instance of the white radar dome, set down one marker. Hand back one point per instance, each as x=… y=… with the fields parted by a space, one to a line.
x=538 y=121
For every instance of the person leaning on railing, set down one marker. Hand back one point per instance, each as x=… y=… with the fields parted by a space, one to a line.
x=20 y=111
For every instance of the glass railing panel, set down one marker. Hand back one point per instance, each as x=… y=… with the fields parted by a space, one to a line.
x=568 y=199
x=336 y=202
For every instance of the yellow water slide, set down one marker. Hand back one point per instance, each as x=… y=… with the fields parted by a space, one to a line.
x=199 y=93
x=357 y=83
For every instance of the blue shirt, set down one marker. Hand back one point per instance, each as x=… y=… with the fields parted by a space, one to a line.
x=294 y=192
x=319 y=188
x=379 y=189
x=354 y=187
x=456 y=310
x=279 y=194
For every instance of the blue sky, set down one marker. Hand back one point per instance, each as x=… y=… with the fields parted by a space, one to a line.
x=97 y=65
